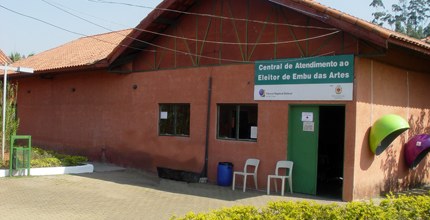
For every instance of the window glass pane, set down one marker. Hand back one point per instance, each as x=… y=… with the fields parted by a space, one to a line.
x=247 y=118
x=182 y=119
x=174 y=119
x=227 y=121
x=167 y=119
x=236 y=121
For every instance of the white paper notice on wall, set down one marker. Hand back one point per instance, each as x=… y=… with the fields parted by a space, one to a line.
x=307 y=116
x=254 y=132
x=308 y=126
x=163 y=115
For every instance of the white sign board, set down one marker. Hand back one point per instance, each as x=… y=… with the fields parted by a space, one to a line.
x=308 y=126
x=163 y=115
x=307 y=116
x=254 y=131
x=307 y=78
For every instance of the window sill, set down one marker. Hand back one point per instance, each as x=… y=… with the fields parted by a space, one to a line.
x=233 y=139
x=172 y=135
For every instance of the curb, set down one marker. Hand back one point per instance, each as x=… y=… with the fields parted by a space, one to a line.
x=87 y=168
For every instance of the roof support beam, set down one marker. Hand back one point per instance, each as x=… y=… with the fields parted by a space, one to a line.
x=349 y=26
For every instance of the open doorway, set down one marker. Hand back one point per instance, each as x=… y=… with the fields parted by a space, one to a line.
x=331 y=140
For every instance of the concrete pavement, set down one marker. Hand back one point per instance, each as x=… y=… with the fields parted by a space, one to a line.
x=116 y=193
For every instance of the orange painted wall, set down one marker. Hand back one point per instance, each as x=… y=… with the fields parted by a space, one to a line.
x=384 y=89
x=105 y=112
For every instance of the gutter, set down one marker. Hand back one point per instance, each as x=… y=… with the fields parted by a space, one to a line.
x=204 y=174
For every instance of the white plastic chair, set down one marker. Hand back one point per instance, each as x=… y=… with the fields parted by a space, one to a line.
x=249 y=162
x=283 y=164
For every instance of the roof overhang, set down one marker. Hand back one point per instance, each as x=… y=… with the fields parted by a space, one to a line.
x=168 y=12
x=355 y=26
x=55 y=71
x=337 y=19
x=162 y=17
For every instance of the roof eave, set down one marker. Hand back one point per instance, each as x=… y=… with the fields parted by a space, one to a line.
x=345 y=22
x=143 y=25
x=409 y=45
x=355 y=26
x=94 y=66
x=342 y=21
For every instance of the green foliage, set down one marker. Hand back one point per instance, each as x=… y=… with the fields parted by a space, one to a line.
x=301 y=210
x=15 y=56
x=410 y=17
x=402 y=207
x=45 y=162
x=48 y=158
x=407 y=207
x=12 y=121
x=363 y=210
x=237 y=212
x=73 y=160
x=4 y=163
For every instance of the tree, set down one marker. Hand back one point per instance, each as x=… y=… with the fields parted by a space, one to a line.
x=12 y=120
x=15 y=56
x=410 y=17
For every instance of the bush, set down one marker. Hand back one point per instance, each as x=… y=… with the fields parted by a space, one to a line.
x=239 y=212
x=4 y=163
x=45 y=162
x=402 y=207
x=73 y=160
x=407 y=207
x=48 y=158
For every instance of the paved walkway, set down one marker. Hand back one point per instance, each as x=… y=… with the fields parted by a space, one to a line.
x=116 y=193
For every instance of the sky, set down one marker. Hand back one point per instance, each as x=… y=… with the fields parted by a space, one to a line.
x=39 y=25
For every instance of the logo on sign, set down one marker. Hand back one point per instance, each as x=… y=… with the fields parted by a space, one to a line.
x=338 y=89
x=262 y=92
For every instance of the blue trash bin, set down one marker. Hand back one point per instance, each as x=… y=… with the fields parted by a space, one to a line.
x=225 y=174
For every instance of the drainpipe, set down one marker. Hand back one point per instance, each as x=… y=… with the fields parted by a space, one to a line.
x=204 y=173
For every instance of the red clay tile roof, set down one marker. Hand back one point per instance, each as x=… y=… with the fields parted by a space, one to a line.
x=389 y=35
x=4 y=59
x=80 y=53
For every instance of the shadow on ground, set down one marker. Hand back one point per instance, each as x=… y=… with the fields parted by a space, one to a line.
x=111 y=173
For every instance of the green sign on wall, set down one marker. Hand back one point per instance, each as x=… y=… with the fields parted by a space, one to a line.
x=315 y=78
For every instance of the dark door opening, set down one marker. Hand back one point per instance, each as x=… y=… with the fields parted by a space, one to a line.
x=331 y=151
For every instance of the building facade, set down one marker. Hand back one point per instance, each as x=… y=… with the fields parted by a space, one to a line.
x=185 y=93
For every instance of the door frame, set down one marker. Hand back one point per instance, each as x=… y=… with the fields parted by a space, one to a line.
x=290 y=139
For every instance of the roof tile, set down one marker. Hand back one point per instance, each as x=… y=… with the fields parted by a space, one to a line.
x=381 y=31
x=4 y=59
x=78 y=53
